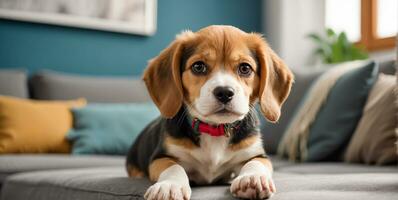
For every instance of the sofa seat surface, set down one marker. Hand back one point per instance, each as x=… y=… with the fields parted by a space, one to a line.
x=112 y=183
x=335 y=168
x=15 y=163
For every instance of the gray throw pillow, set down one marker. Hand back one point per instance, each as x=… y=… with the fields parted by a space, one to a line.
x=48 y=85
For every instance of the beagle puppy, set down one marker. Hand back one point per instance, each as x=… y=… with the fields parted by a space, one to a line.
x=206 y=85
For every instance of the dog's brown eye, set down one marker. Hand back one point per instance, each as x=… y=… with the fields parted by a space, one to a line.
x=199 y=68
x=244 y=69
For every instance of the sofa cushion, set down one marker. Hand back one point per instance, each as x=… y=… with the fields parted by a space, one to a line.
x=387 y=67
x=336 y=120
x=32 y=126
x=304 y=77
x=93 y=183
x=366 y=186
x=109 y=128
x=15 y=163
x=335 y=168
x=373 y=141
x=55 y=85
x=13 y=83
x=273 y=132
x=112 y=183
x=317 y=118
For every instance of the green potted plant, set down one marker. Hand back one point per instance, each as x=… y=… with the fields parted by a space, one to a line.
x=336 y=48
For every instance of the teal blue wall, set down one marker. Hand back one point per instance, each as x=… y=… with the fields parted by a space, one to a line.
x=38 y=46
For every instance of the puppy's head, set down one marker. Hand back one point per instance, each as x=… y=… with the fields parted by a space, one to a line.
x=218 y=72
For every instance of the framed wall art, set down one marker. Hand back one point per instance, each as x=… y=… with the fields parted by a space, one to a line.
x=126 y=16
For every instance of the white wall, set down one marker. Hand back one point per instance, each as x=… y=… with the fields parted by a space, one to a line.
x=287 y=24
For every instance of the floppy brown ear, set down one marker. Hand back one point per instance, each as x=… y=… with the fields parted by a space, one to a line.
x=276 y=79
x=163 y=77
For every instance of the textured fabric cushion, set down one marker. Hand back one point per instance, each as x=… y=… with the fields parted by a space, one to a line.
x=336 y=120
x=13 y=83
x=16 y=163
x=112 y=183
x=109 y=128
x=396 y=106
x=54 y=85
x=387 y=67
x=295 y=139
x=374 y=138
x=365 y=186
x=335 y=168
x=29 y=126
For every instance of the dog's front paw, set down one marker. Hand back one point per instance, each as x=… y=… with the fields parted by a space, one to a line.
x=168 y=190
x=253 y=186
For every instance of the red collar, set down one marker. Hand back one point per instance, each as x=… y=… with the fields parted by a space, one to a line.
x=216 y=131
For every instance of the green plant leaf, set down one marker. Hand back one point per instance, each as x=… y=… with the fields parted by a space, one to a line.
x=330 y=32
x=345 y=46
x=359 y=54
x=336 y=47
x=337 y=54
x=316 y=38
x=323 y=48
x=343 y=40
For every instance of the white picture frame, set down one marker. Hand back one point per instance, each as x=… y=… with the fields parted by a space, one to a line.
x=145 y=25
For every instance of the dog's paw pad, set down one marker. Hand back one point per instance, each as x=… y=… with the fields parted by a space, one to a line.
x=167 y=190
x=255 y=186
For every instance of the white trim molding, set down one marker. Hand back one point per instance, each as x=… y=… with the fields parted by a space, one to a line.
x=147 y=27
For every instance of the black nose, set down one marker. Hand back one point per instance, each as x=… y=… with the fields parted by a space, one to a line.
x=223 y=94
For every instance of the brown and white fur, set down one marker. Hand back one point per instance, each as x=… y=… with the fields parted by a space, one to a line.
x=182 y=81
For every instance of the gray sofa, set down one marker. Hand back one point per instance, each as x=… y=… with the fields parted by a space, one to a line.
x=62 y=177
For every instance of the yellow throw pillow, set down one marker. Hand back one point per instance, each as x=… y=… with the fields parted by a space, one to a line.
x=33 y=126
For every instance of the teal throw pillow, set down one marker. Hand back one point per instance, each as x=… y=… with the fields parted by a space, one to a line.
x=109 y=128
x=338 y=117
